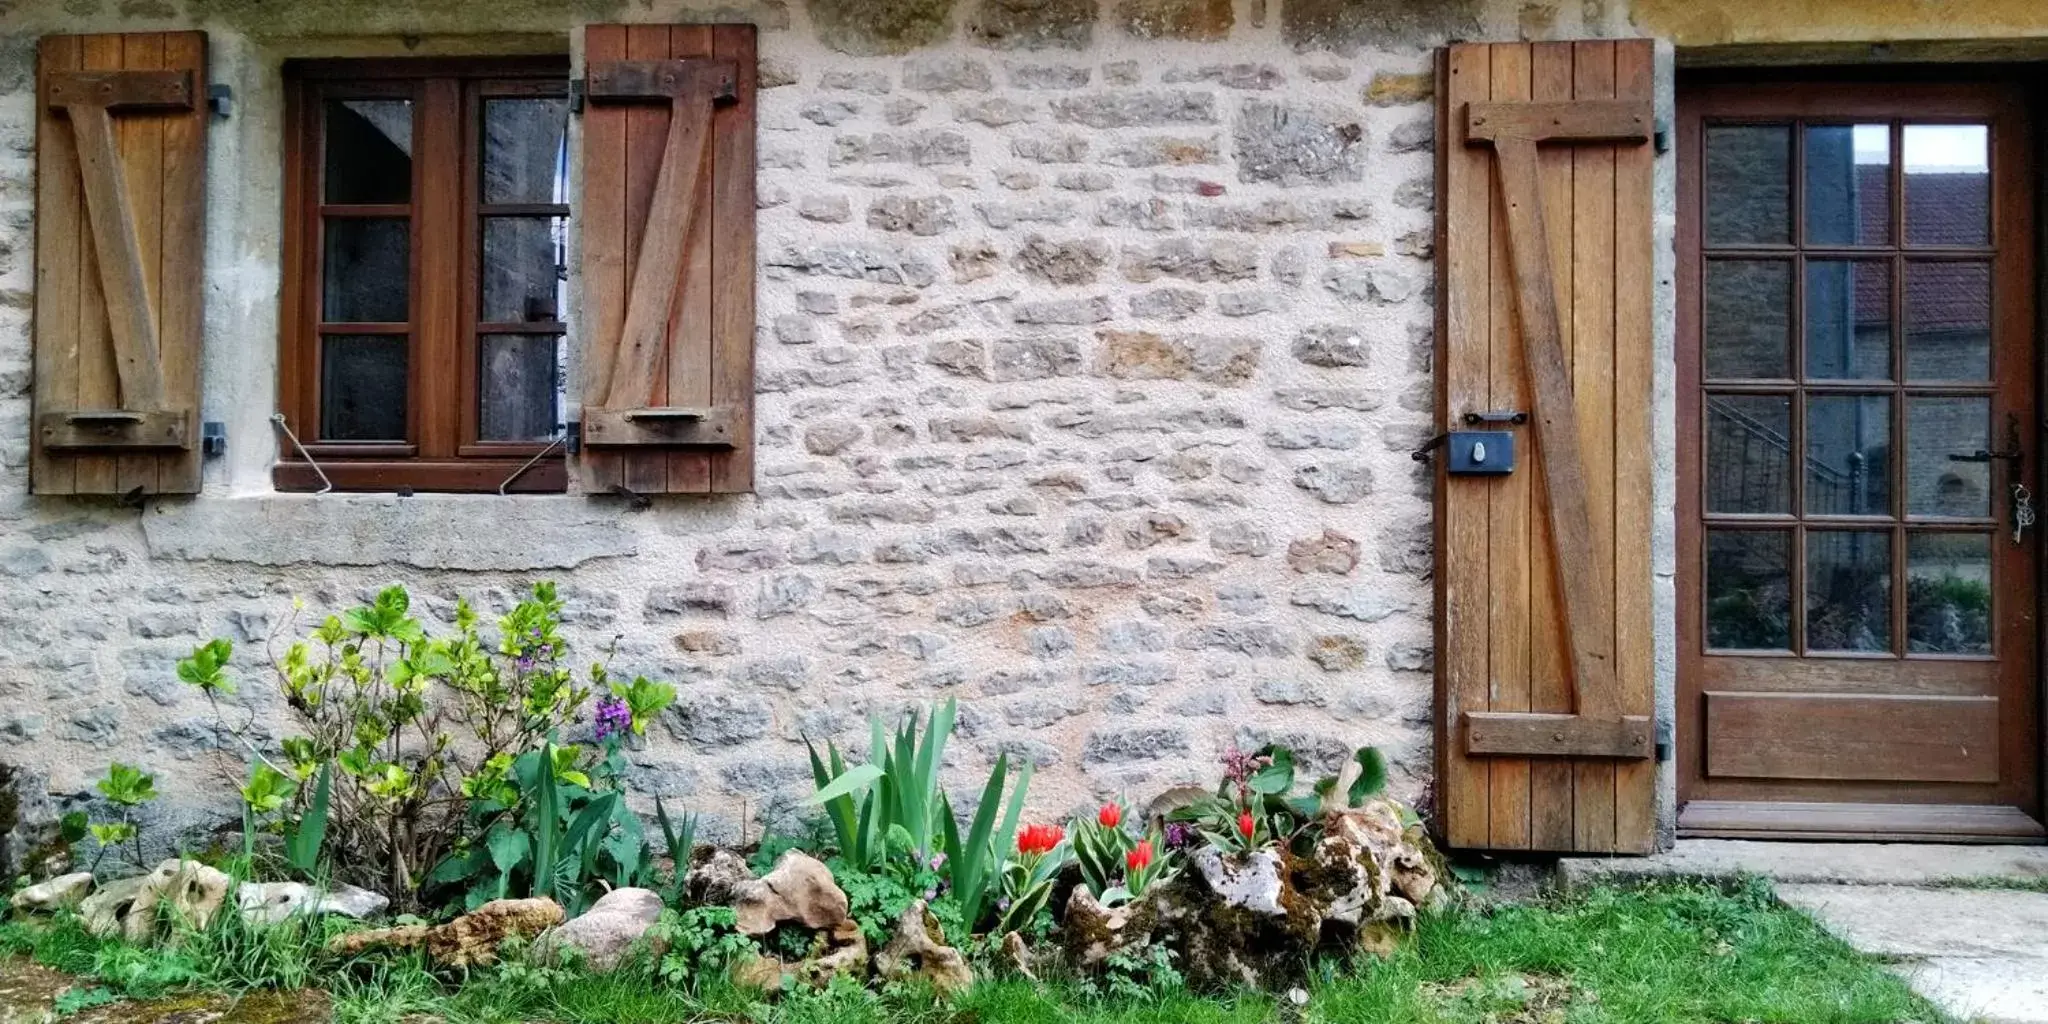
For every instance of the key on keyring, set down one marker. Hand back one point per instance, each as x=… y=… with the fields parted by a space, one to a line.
x=2022 y=511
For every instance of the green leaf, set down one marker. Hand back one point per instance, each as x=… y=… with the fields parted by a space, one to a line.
x=846 y=784
x=457 y=866
x=1372 y=775
x=970 y=862
x=549 y=820
x=304 y=839
x=509 y=847
x=1277 y=777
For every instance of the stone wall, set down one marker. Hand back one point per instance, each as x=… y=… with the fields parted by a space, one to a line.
x=1091 y=349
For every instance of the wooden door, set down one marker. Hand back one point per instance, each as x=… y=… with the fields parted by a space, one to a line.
x=1857 y=434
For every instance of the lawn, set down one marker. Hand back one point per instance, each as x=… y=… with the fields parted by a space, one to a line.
x=1668 y=954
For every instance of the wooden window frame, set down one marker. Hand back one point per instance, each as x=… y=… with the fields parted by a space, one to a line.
x=441 y=450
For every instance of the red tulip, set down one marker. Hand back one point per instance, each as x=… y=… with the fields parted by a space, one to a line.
x=1039 y=839
x=1139 y=858
x=1246 y=825
x=1110 y=815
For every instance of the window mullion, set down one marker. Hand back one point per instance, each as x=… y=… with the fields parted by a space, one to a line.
x=437 y=256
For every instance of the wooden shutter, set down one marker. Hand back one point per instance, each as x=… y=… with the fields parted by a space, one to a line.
x=1543 y=575
x=667 y=218
x=120 y=242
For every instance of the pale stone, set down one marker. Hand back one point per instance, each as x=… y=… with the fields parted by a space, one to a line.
x=602 y=936
x=65 y=892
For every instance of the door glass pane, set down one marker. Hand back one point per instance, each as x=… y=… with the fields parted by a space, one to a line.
x=1948 y=593
x=365 y=270
x=1849 y=319
x=1948 y=320
x=1937 y=428
x=362 y=387
x=1749 y=184
x=524 y=156
x=523 y=282
x=1749 y=589
x=1749 y=453
x=1948 y=184
x=368 y=151
x=1848 y=184
x=1747 y=324
x=1848 y=590
x=520 y=386
x=1848 y=441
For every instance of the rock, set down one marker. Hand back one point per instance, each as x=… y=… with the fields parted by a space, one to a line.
x=607 y=931
x=799 y=888
x=193 y=892
x=102 y=910
x=1093 y=932
x=467 y=941
x=712 y=880
x=917 y=950
x=64 y=892
x=841 y=950
x=1015 y=956
x=1254 y=881
x=271 y=902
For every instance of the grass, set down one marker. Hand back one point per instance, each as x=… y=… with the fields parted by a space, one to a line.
x=1666 y=954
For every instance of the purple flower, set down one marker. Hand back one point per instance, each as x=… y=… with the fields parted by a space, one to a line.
x=614 y=718
x=1179 y=836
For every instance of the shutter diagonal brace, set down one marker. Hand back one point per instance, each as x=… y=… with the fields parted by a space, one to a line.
x=624 y=414
x=1514 y=130
x=89 y=100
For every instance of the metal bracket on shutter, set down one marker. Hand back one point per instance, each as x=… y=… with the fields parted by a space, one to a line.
x=1515 y=130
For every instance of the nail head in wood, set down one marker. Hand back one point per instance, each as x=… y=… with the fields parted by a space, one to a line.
x=122 y=90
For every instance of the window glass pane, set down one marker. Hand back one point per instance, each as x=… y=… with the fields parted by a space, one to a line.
x=1749 y=453
x=1948 y=593
x=1748 y=318
x=1849 y=319
x=368 y=151
x=1937 y=428
x=1848 y=441
x=362 y=387
x=523 y=281
x=1948 y=184
x=1849 y=184
x=366 y=270
x=1848 y=590
x=1948 y=321
x=525 y=160
x=1749 y=589
x=1749 y=184
x=520 y=385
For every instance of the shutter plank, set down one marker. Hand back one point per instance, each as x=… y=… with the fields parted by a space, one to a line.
x=141 y=147
x=60 y=230
x=647 y=137
x=689 y=361
x=1513 y=531
x=181 y=315
x=1592 y=331
x=602 y=216
x=732 y=285
x=1635 y=782
x=1462 y=513
x=1551 y=814
x=99 y=384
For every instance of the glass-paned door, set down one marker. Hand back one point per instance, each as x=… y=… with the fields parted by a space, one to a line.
x=1857 y=376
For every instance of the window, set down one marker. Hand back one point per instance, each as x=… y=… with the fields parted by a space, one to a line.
x=424 y=344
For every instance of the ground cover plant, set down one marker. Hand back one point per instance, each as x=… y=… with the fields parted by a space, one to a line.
x=1668 y=954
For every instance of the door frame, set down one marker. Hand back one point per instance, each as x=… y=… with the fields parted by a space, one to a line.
x=2024 y=199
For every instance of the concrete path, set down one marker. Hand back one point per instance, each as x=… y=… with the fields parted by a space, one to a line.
x=1981 y=954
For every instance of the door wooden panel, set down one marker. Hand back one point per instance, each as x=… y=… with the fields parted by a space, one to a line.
x=1857 y=403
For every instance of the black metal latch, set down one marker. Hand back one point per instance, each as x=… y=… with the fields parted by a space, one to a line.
x=1477 y=452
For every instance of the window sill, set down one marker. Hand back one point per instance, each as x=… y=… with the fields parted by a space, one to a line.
x=467 y=476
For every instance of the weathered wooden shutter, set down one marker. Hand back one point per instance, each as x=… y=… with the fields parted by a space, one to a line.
x=120 y=239
x=1543 y=575
x=667 y=218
